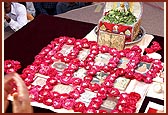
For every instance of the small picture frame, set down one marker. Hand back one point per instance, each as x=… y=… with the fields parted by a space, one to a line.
x=123 y=62
x=109 y=103
x=60 y=88
x=102 y=59
x=143 y=67
x=86 y=97
x=83 y=54
x=121 y=83
x=80 y=73
x=59 y=66
x=40 y=80
x=66 y=49
x=99 y=77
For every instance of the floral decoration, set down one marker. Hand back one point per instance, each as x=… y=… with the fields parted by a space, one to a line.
x=42 y=64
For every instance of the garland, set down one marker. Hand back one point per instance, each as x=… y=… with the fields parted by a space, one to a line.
x=43 y=61
x=11 y=66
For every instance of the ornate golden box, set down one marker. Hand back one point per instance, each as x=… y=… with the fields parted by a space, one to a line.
x=120 y=23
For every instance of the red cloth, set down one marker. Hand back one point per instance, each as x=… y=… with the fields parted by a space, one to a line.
x=151 y=110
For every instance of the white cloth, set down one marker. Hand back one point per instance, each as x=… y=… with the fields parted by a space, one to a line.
x=30 y=8
x=18 y=16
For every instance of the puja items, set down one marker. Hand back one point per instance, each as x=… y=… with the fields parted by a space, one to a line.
x=120 y=23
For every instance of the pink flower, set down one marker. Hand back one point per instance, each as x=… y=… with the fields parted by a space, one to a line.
x=94 y=87
x=90 y=110
x=149 y=50
x=68 y=103
x=11 y=66
x=75 y=94
x=57 y=104
x=79 y=107
x=113 y=92
x=101 y=111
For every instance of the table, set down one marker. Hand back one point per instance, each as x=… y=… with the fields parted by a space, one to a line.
x=28 y=41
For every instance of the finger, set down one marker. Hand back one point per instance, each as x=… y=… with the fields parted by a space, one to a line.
x=8 y=77
x=22 y=90
x=21 y=87
x=8 y=82
x=23 y=94
x=20 y=105
x=16 y=103
x=7 y=89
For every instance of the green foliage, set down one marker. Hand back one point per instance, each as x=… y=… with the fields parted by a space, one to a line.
x=117 y=17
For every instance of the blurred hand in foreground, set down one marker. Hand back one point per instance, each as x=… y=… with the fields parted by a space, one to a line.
x=21 y=100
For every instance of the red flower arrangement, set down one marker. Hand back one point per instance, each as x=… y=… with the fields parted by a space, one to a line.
x=153 y=48
x=43 y=61
x=11 y=66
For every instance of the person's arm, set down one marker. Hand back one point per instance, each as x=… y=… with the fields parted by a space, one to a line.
x=21 y=19
x=38 y=7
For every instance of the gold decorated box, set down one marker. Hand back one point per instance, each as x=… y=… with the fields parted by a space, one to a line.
x=120 y=23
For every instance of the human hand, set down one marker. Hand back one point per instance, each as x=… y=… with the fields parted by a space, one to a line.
x=21 y=100
x=7 y=18
x=7 y=89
